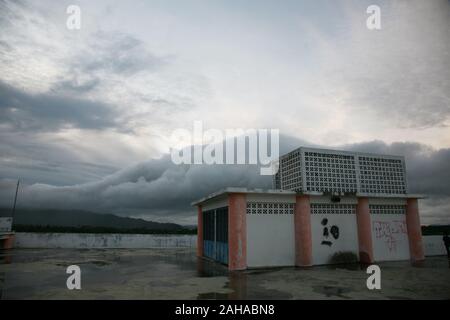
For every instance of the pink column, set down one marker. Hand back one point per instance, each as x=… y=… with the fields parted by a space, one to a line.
x=237 y=231
x=8 y=243
x=303 y=237
x=199 y=231
x=364 y=224
x=414 y=230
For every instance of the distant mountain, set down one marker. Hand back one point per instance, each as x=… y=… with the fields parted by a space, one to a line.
x=79 y=218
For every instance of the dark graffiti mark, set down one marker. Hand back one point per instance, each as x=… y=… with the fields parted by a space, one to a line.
x=334 y=230
x=327 y=243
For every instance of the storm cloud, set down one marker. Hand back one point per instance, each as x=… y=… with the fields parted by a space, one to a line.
x=24 y=111
x=161 y=190
x=85 y=115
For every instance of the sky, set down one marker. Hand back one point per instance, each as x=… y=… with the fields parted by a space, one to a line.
x=86 y=115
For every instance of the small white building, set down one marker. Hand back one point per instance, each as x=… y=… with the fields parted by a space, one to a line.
x=330 y=207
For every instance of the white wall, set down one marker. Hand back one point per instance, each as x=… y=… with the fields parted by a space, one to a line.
x=433 y=246
x=389 y=237
x=5 y=224
x=270 y=240
x=91 y=240
x=346 y=242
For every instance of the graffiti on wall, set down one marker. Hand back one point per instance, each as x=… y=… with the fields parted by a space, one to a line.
x=329 y=234
x=389 y=232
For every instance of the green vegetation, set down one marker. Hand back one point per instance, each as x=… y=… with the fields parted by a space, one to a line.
x=79 y=221
x=436 y=230
x=93 y=229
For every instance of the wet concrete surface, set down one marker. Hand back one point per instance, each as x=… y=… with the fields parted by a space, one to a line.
x=179 y=274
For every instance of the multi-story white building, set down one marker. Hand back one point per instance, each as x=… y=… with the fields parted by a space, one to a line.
x=327 y=207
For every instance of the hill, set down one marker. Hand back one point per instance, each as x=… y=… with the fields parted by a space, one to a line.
x=73 y=219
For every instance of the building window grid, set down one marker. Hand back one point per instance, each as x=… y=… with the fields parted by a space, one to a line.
x=269 y=208
x=325 y=208
x=387 y=209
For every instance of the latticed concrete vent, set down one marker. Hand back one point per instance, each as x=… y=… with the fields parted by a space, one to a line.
x=387 y=209
x=319 y=208
x=319 y=170
x=269 y=208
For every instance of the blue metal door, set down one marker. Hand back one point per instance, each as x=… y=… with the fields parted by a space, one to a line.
x=215 y=234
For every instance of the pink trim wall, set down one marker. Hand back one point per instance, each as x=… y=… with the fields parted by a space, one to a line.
x=237 y=231
x=199 y=231
x=8 y=242
x=364 y=224
x=303 y=236
x=414 y=230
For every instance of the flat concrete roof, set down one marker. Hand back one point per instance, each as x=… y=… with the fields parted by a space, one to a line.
x=289 y=192
x=124 y=274
x=242 y=190
x=397 y=196
x=345 y=152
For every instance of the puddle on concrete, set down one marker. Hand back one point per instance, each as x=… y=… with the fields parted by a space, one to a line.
x=398 y=298
x=207 y=268
x=2 y=282
x=330 y=291
x=347 y=266
x=212 y=296
x=266 y=270
x=5 y=256
x=99 y=263
x=247 y=285
x=165 y=274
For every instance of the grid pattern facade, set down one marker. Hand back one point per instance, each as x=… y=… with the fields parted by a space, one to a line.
x=330 y=172
x=291 y=176
x=316 y=170
x=321 y=208
x=379 y=175
x=387 y=209
x=270 y=208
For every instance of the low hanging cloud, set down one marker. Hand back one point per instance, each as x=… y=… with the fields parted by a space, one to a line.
x=159 y=189
x=75 y=107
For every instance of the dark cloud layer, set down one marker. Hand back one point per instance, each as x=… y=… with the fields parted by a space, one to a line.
x=160 y=188
x=398 y=75
x=428 y=170
x=24 y=111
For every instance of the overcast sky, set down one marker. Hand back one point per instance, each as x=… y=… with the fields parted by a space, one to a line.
x=85 y=115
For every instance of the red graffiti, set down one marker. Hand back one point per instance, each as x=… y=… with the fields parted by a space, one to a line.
x=388 y=230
